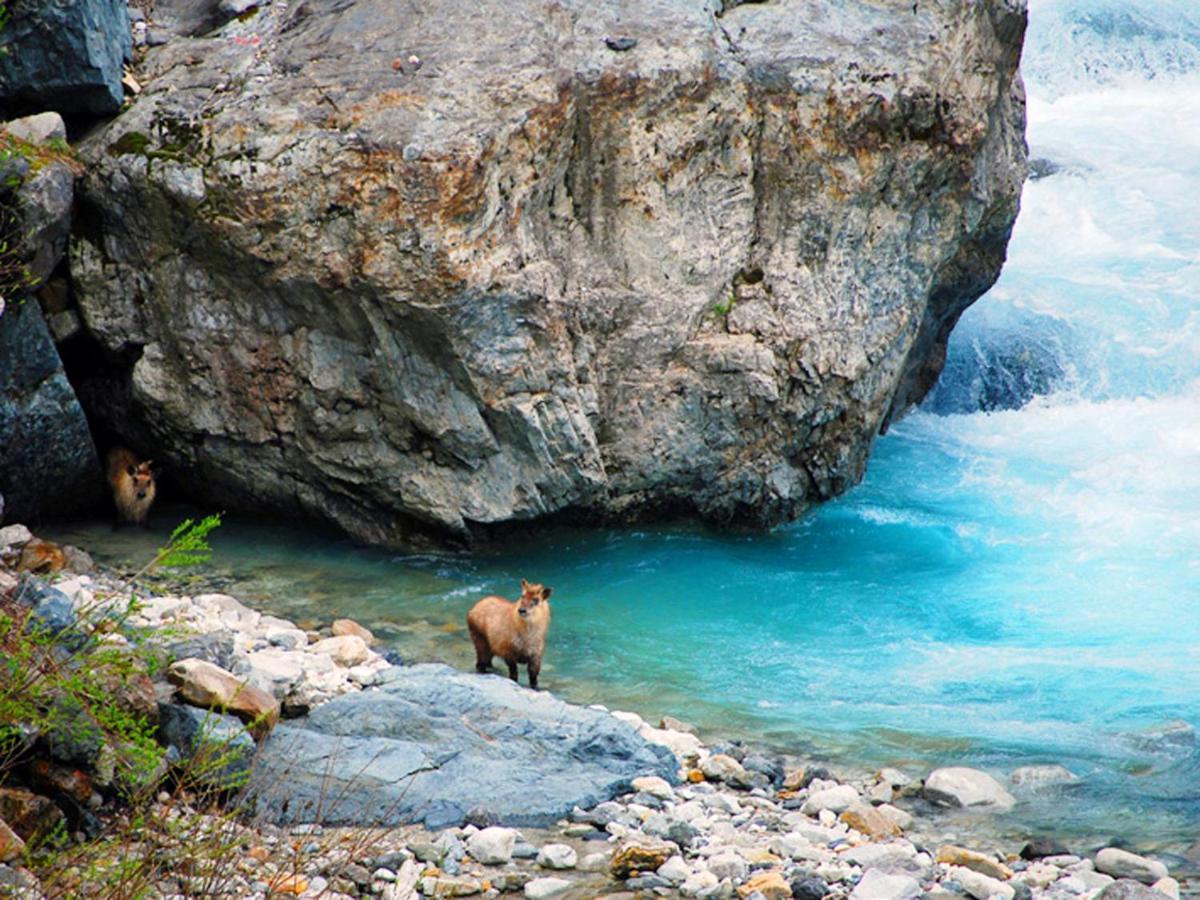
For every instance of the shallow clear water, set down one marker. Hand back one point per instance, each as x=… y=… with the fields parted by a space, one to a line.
x=1006 y=588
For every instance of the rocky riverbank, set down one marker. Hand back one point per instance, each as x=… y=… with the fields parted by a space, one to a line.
x=516 y=791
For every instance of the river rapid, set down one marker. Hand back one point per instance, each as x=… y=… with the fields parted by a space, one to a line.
x=1016 y=581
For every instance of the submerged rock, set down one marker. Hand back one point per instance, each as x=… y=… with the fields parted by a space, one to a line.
x=432 y=744
x=528 y=275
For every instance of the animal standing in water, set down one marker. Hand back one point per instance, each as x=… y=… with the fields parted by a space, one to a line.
x=514 y=631
x=132 y=485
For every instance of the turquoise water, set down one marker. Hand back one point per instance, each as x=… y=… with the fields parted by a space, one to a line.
x=1011 y=587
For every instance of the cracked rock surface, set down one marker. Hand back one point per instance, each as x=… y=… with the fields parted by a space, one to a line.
x=472 y=263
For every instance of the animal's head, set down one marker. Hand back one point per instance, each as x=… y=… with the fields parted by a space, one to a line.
x=533 y=596
x=143 y=478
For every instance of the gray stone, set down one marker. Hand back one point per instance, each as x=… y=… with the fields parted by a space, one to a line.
x=216 y=647
x=45 y=200
x=958 y=786
x=1123 y=864
x=546 y=888
x=430 y=743
x=492 y=846
x=48 y=463
x=878 y=885
x=1040 y=776
x=575 y=293
x=66 y=56
x=215 y=749
x=980 y=886
x=1128 y=889
x=51 y=607
x=557 y=856
x=836 y=799
x=37 y=129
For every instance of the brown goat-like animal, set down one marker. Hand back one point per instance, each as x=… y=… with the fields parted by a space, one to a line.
x=132 y=484
x=513 y=630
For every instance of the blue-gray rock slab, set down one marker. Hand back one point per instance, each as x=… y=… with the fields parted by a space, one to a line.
x=66 y=56
x=431 y=744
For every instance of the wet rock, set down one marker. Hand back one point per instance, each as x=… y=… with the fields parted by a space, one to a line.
x=959 y=786
x=1123 y=864
x=1043 y=846
x=1039 y=776
x=430 y=743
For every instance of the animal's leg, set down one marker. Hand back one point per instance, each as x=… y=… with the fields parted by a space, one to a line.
x=512 y=670
x=535 y=666
x=483 y=651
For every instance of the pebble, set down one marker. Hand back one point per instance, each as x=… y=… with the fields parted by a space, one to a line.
x=492 y=846
x=545 y=888
x=878 y=885
x=674 y=870
x=557 y=856
x=1123 y=864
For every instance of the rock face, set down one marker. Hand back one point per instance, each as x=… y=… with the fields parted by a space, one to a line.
x=66 y=56
x=48 y=463
x=434 y=743
x=444 y=271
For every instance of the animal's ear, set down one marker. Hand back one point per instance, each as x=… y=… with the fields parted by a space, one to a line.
x=546 y=593
x=524 y=585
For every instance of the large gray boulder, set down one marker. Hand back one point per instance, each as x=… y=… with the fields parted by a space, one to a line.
x=433 y=744
x=64 y=55
x=501 y=260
